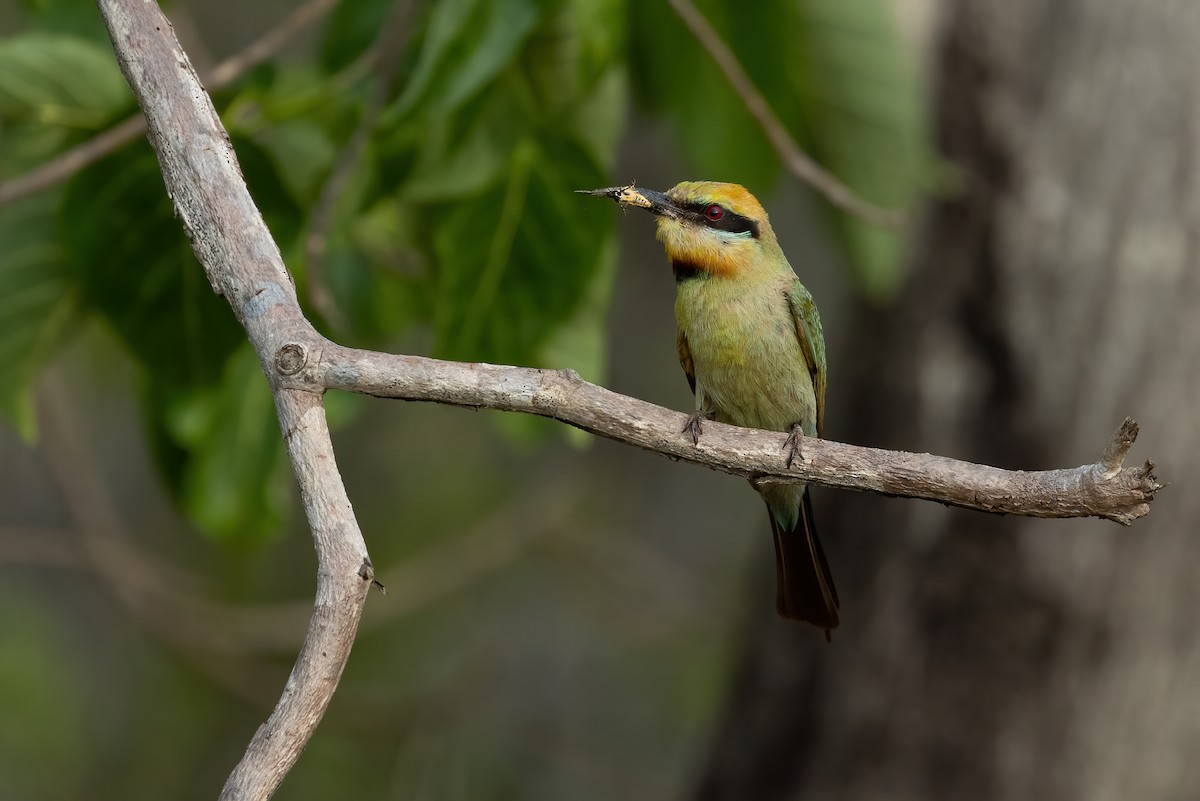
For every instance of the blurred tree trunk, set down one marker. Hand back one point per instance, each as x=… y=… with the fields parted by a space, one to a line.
x=997 y=658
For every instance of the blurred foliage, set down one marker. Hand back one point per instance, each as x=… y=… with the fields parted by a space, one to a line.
x=835 y=74
x=457 y=224
x=588 y=668
x=37 y=688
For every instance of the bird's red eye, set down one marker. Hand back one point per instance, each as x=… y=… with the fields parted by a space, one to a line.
x=714 y=212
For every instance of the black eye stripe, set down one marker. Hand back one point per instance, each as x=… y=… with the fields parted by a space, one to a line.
x=730 y=221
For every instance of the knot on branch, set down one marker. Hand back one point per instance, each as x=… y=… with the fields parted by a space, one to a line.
x=570 y=376
x=291 y=358
x=366 y=572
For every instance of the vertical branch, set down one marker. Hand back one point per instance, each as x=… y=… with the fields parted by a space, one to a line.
x=244 y=265
x=278 y=742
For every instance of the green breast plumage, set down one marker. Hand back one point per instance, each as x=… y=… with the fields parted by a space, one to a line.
x=747 y=361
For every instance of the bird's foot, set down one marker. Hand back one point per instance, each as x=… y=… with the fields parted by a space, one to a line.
x=792 y=444
x=694 y=424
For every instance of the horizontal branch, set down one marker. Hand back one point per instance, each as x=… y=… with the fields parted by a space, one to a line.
x=1103 y=489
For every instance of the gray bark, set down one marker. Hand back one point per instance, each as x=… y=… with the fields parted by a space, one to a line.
x=991 y=658
x=244 y=266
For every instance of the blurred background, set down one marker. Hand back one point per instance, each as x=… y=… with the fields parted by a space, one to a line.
x=568 y=617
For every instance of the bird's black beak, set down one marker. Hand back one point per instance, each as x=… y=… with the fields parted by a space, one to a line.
x=648 y=199
x=659 y=204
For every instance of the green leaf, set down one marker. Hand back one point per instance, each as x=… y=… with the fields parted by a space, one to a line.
x=714 y=130
x=599 y=120
x=272 y=94
x=302 y=153
x=580 y=343
x=234 y=482
x=24 y=145
x=354 y=25
x=379 y=299
x=300 y=119
x=576 y=44
x=466 y=44
x=862 y=104
x=517 y=260
x=461 y=155
x=60 y=80
x=563 y=79
x=386 y=235
x=837 y=75
x=129 y=255
x=383 y=284
x=38 y=302
x=209 y=421
x=66 y=16
x=265 y=178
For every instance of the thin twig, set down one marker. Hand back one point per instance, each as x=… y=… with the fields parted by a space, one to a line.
x=83 y=155
x=107 y=142
x=435 y=574
x=270 y=43
x=386 y=54
x=799 y=163
x=183 y=22
x=41 y=547
x=160 y=596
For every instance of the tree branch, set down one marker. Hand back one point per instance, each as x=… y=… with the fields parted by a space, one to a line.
x=798 y=163
x=1102 y=489
x=243 y=265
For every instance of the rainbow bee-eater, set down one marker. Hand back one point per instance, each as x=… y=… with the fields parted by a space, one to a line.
x=750 y=343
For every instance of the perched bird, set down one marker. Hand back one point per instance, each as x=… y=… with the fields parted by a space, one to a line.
x=750 y=343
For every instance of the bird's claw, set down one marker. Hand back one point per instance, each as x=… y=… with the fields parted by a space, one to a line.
x=792 y=444
x=694 y=424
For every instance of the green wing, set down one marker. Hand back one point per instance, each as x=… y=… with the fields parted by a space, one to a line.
x=685 y=360
x=812 y=342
